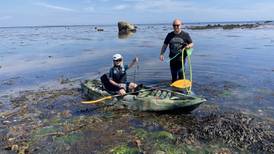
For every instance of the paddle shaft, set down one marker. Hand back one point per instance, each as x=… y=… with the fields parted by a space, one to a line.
x=111 y=96
x=99 y=100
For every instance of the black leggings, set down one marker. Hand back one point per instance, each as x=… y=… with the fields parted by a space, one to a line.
x=176 y=68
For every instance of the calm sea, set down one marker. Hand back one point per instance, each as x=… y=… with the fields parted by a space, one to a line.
x=230 y=67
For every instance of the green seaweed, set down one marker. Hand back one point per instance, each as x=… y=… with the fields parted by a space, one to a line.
x=226 y=93
x=123 y=149
x=141 y=133
x=189 y=149
x=163 y=142
x=42 y=133
x=69 y=139
x=162 y=135
x=46 y=130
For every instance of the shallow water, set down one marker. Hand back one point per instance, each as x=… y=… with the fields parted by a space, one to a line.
x=235 y=64
x=233 y=69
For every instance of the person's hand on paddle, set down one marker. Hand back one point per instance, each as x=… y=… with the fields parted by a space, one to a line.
x=135 y=60
x=122 y=92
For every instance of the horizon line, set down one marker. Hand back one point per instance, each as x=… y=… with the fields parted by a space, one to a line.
x=163 y=23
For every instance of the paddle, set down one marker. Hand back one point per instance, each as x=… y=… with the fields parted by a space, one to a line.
x=100 y=100
x=111 y=96
x=184 y=83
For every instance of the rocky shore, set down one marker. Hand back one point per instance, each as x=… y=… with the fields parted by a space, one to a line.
x=229 y=26
x=54 y=121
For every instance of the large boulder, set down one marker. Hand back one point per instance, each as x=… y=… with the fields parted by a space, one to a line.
x=124 y=35
x=126 y=27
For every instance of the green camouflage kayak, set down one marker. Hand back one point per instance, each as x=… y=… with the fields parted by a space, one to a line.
x=147 y=99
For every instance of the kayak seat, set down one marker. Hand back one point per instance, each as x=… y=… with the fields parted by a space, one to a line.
x=107 y=86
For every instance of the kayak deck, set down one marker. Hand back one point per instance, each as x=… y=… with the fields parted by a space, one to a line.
x=146 y=99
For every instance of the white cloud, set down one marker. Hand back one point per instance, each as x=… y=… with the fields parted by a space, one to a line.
x=5 y=17
x=120 y=7
x=133 y=0
x=254 y=11
x=90 y=9
x=161 y=5
x=55 y=7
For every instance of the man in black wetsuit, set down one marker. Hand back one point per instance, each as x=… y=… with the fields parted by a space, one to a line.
x=176 y=40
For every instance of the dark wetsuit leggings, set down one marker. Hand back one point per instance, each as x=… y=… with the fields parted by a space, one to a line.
x=176 y=68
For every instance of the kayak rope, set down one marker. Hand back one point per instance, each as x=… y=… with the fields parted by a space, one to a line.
x=174 y=56
x=184 y=83
x=188 y=51
x=170 y=59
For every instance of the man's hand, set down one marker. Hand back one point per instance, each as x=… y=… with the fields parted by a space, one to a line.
x=161 y=57
x=122 y=92
x=188 y=46
x=123 y=86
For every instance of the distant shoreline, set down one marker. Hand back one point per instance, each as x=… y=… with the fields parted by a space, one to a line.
x=105 y=25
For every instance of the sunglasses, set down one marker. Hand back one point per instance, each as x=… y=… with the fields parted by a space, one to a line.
x=176 y=25
x=118 y=60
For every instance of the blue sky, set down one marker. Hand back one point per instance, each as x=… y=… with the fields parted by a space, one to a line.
x=71 y=12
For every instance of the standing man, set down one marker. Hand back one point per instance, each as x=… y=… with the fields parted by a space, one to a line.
x=176 y=40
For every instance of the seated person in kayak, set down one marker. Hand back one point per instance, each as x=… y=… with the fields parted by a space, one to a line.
x=118 y=76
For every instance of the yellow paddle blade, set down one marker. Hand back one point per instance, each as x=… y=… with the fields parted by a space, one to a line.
x=96 y=101
x=182 y=84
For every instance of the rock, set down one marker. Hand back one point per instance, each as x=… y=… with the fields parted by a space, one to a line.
x=224 y=26
x=268 y=21
x=64 y=80
x=124 y=35
x=126 y=27
x=6 y=122
x=14 y=147
x=138 y=143
x=159 y=152
x=222 y=151
x=66 y=114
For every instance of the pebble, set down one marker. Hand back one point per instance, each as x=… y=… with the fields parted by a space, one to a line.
x=6 y=122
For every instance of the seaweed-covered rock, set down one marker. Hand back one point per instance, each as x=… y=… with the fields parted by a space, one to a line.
x=126 y=27
x=235 y=129
x=224 y=26
x=124 y=35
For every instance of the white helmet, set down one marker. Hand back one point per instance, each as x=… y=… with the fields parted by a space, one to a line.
x=117 y=56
